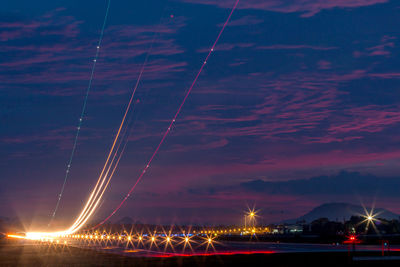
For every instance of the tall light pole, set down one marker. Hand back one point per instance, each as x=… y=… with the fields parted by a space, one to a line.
x=251 y=216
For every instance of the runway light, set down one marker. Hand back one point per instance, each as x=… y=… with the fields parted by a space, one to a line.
x=153 y=238
x=186 y=239
x=370 y=218
x=209 y=240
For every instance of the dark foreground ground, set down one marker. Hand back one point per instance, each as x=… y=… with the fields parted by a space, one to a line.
x=19 y=254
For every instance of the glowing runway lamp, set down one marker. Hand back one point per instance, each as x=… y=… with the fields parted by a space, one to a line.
x=352 y=240
x=250 y=215
x=369 y=219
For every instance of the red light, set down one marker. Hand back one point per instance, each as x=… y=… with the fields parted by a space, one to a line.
x=352 y=240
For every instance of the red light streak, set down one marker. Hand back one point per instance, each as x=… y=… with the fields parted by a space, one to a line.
x=225 y=253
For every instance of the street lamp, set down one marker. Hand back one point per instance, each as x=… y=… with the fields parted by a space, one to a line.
x=250 y=215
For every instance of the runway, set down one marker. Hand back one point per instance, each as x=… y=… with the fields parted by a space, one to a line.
x=228 y=248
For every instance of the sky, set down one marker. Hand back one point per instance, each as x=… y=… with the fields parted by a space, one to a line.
x=297 y=106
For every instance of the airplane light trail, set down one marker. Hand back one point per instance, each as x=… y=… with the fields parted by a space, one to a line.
x=110 y=164
x=174 y=118
x=82 y=115
x=92 y=203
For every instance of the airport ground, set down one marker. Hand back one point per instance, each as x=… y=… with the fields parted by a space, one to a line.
x=14 y=253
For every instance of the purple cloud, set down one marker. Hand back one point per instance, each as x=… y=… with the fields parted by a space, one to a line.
x=67 y=60
x=245 y=20
x=307 y=8
x=292 y=47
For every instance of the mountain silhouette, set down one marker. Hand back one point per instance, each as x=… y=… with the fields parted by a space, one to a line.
x=342 y=211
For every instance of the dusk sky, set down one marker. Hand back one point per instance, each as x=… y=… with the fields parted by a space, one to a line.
x=298 y=105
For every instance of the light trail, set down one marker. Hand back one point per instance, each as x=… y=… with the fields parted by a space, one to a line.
x=95 y=198
x=104 y=179
x=16 y=236
x=82 y=114
x=173 y=119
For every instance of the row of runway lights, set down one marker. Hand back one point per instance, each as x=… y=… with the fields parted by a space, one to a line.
x=209 y=235
x=194 y=233
x=121 y=238
x=132 y=238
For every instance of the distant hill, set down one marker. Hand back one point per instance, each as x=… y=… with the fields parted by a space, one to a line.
x=340 y=184
x=340 y=212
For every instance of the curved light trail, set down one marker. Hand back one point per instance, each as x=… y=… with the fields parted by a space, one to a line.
x=104 y=178
x=82 y=114
x=111 y=165
x=173 y=119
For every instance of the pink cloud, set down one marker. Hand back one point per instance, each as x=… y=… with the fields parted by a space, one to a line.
x=388 y=75
x=64 y=26
x=227 y=47
x=300 y=46
x=67 y=61
x=324 y=65
x=307 y=8
x=369 y=119
x=245 y=20
x=61 y=138
x=205 y=145
x=382 y=49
